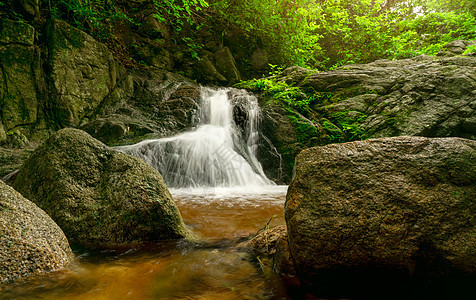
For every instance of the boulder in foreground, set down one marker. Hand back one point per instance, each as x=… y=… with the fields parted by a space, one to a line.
x=405 y=204
x=30 y=241
x=97 y=195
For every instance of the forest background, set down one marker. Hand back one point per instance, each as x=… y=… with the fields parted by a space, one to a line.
x=318 y=34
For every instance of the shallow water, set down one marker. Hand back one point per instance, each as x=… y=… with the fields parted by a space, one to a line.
x=179 y=270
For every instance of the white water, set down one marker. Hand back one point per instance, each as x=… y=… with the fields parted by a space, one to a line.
x=211 y=156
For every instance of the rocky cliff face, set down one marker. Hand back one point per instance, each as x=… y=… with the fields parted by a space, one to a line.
x=422 y=96
x=80 y=84
x=20 y=84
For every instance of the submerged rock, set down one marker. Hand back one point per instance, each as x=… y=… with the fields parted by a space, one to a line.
x=30 y=241
x=404 y=204
x=98 y=195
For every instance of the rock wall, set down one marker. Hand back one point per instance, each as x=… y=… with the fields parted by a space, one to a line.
x=422 y=96
x=19 y=82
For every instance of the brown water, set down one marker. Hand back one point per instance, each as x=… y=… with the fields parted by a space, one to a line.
x=178 y=270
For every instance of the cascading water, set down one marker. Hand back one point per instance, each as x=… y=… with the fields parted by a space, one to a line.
x=220 y=152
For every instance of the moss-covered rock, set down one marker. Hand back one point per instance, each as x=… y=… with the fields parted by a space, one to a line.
x=15 y=32
x=30 y=241
x=153 y=102
x=422 y=96
x=226 y=65
x=83 y=73
x=18 y=65
x=98 y=195
x=205 y=71
x=284 y=133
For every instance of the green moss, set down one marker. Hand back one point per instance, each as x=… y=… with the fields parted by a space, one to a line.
x=335 y=133
x=63 y=36
x=304 y=130
x=348 y=122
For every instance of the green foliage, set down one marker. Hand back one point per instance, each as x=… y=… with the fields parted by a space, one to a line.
x=178 y=12
x=331 y=33
x=277 y=90
x=470 y=50
x=348 y=123
x=7 y=12
x=283 y=26
x=97 y=17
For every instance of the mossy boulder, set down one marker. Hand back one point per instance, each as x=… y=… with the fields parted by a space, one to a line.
x=30 y=241
x=97 y=195
x=405 y=205
x=225 y=64
x=83 y=73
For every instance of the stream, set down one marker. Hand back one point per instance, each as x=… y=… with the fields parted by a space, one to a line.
x=224 y=197
x=175 y=269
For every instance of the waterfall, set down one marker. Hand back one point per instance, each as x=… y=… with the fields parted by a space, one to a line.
x=219 y=152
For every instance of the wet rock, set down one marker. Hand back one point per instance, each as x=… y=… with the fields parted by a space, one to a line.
x=97 y=195
x=153 y=103
x=284 y=134
x=404 y=204
x=30 y=241
x=283 y=263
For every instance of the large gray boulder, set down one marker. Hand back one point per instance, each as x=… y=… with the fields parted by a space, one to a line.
x=405 y=204
x=98 y=195
x=30 y=241
x=422 y=96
